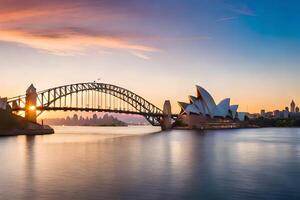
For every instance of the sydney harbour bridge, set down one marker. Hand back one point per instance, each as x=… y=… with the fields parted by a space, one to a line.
x=90 y=97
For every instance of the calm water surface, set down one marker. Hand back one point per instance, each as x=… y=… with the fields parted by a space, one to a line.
x=133 y=163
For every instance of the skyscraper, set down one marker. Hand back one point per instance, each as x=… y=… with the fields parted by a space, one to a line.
x=293 y=106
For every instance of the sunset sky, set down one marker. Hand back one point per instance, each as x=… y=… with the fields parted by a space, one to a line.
x=248 y=50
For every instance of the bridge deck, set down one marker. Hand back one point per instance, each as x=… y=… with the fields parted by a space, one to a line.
x=91 y=110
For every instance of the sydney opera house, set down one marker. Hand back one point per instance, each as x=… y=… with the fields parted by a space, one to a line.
x=203 y=109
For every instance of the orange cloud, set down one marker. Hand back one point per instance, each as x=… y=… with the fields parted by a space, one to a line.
x=71 y=42
x=19 y=15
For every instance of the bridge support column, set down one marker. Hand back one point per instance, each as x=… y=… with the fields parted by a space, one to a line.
x=30 y=104
x=166 y=122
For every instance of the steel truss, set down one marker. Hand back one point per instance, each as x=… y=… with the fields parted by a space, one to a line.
x=93 y=96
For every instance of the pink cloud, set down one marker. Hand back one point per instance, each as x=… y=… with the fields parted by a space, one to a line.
x=46 y=26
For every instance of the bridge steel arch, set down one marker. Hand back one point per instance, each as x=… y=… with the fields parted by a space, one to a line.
x=74 y=97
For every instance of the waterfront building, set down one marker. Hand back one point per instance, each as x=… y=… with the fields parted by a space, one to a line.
x=203 y=106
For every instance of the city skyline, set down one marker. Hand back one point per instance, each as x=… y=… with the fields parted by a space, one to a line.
x=246 y=50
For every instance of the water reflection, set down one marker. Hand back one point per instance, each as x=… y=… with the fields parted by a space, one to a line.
x=178 y=164
x=82 y=134
x=29 y=168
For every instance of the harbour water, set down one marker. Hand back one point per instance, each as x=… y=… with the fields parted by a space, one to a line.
x=144 y=163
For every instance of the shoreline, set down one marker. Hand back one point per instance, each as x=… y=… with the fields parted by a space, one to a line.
x=232 y=128
x=213 y=128
x=29 y=132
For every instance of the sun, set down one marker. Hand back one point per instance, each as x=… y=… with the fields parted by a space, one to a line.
x=32 y=108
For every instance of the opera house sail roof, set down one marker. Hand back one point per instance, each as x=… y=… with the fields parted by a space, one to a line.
x=204 y=104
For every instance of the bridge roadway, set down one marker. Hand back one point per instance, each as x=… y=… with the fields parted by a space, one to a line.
x=40 y=108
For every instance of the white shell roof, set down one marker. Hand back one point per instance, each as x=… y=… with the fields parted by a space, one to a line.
x=225 y=104
x=192 y=109
x=222 y=109
x=205 y=104
x=183 y=105
x=206 y=98
x=233 y=109
x=199 y=104
x=188 y=108
x=219 y=112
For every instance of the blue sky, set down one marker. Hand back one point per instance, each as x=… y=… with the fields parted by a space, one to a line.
x=246 y=50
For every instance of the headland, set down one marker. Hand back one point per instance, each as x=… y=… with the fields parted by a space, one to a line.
x=12 y=125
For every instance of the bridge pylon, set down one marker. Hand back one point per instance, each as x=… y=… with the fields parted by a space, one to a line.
x=30 y=104
x=166 y=122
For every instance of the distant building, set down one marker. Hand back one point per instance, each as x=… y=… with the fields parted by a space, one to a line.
x=295 y=115
x=3 y=103
x=95 y=117
x=262 y=113
x=293 y=107
x=269 y=115
x=292 y=112
x=277 y=114
x=287 y=109
x=286 y=114
x=253 y=115
x=80 y=121
x=75 y=117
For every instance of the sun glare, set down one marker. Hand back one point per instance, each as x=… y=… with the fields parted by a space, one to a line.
x=32 y=108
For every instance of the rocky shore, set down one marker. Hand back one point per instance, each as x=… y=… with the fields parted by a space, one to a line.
x=14 y=132
x=12 y=125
